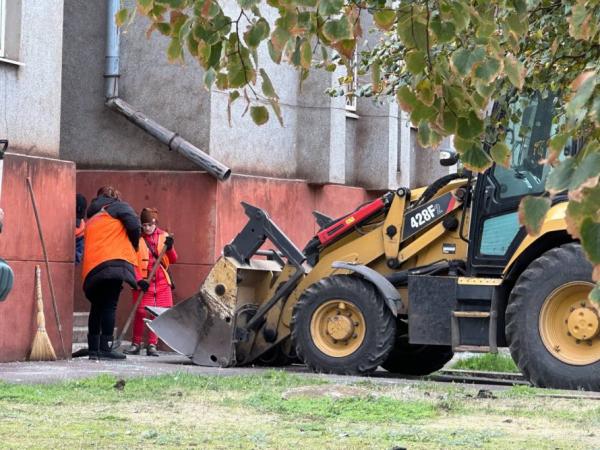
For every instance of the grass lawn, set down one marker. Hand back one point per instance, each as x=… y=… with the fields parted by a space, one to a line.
x=487 y=362
x=188 y=411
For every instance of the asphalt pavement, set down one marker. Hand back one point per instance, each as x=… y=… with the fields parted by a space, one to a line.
x=145 y=366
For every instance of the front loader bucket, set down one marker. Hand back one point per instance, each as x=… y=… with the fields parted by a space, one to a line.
x=200 y=327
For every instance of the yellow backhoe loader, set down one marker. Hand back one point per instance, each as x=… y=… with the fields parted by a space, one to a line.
x=405 y=281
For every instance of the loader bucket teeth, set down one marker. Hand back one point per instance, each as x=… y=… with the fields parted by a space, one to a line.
x=193 y=329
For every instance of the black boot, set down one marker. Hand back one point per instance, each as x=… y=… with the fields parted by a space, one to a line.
x=106 y=351
x=93 y=345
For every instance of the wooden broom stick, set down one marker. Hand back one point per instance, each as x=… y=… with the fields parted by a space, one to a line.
x=39 y=225
x=42 y=347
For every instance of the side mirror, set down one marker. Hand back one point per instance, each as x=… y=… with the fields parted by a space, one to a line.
x=448 y=157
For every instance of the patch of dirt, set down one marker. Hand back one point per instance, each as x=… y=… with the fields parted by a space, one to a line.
x=330 y=391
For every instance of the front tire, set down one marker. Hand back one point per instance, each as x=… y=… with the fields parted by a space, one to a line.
x=552 y=329
x=342 y=325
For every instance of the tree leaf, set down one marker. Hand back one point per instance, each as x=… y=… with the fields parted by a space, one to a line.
x=424 y=133
x=501 y=154
x=515 y=71
x=277 y=110
x=267 y=86
x=415 y=61
x=384 y=18
x=515 y=23
x=305 y=55
x=174 y=50
x=584 y=85
x=561 y=176
x=145 y=6
x=590 y=241
x=483 y=90
x=209 y=78
x=337 y=30
x=581 y=24
x=375 y=75
x=475 y=158
x=121 y=17
x=488 y=71
x=532 y=212
x=412 y=32
x=274 y=53
x=164 y=28
x=222 y=81
x=407 y=99
x=247 y=4
x=556 y=145
x=173 y=4
x=444 y=31
x=463 y=60
x=256 y=33
x=587 y=172
x=279 y=38
x=330 y=7
x=204 y=53
x=470 y=127
x=345 y=47
x=259 y=114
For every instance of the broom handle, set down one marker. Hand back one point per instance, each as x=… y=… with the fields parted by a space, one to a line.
x=39 y=225
x=137 y=303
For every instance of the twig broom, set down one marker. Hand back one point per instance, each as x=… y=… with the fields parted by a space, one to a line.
x=42 y=347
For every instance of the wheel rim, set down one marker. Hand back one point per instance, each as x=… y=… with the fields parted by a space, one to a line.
x=338 y=328
x=570 y=326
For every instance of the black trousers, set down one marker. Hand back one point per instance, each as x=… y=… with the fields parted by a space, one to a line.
x=104 y=299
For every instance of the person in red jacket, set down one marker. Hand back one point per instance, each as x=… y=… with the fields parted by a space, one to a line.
x=152 y=241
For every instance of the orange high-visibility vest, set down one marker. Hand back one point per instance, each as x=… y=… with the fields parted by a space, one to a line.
x=80 y=229
x=144 y=257
x=105 y=239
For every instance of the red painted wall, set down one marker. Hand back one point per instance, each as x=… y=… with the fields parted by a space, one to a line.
x=54 y=186
x=205 y=214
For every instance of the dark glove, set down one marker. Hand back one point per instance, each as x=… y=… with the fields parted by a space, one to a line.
x=143 y=285
x=169 y=242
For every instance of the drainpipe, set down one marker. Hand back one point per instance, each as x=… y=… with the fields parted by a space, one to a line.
x=114 y=103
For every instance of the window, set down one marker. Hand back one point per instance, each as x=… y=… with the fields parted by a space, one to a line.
x=10 y=31
x=352 y=86
x=2 y=26
x=527 y=142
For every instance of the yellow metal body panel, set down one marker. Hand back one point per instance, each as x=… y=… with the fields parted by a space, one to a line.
x=394 y=218
x=554 y=221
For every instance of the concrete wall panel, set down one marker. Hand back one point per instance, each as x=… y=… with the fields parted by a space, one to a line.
x=185 y=202
x=18 y=314
x=54 y=186
x=30 y=110
x=95 y=137
x=288 y=203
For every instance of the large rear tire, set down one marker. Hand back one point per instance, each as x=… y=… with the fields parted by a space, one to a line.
x=414 y=359
x=341 y=324
x=551 y=327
